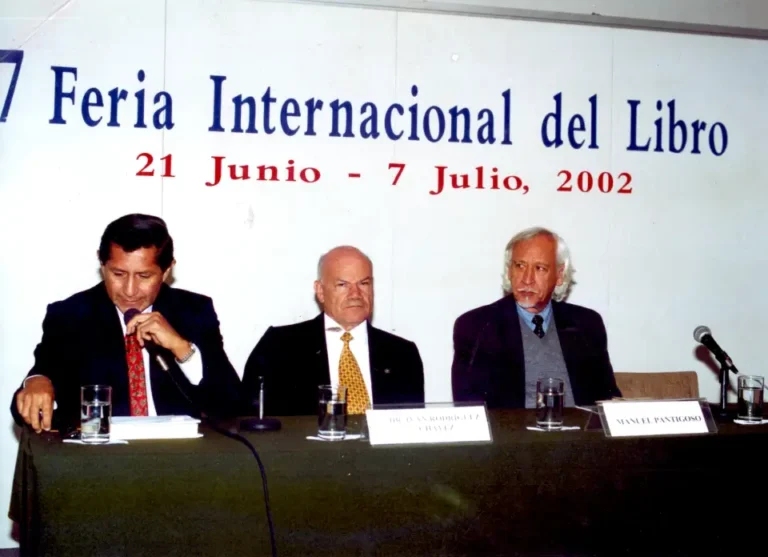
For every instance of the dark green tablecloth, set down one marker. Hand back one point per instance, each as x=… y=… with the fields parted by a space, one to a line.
x=527 y=493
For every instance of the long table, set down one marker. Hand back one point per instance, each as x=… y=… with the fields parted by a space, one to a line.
x=527 y=493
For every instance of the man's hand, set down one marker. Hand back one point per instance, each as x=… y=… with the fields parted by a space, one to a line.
x=154 y=327
x=36 y=398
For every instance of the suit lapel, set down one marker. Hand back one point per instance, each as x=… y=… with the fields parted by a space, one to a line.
x=377 y=378
x=166 y=386
x=161 y=393
x=572 y=344
x=319 y=352
x=109 y=343
x=165 y=307
x=373 y=346
x=512 y=345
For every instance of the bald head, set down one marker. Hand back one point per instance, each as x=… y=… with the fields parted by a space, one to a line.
x=340 y=252
x=344 y=286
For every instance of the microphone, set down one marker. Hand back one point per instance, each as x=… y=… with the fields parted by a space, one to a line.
x=703 y=335
x=152 y=348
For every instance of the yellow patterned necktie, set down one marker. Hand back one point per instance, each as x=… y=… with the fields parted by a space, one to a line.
x=351 y=377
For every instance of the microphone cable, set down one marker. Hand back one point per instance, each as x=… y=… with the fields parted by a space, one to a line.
x=263 y=472
x=236 y=436
x=211 y=422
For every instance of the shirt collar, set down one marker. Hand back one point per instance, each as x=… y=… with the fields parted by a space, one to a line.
x=358 y=332
x=527 y=316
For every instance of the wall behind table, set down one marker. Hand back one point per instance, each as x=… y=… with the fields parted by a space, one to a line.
x=682 y=249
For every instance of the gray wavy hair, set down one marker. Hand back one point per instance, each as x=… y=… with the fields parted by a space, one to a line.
x=563 y=259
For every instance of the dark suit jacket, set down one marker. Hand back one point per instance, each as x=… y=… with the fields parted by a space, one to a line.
x=293 y=360
x=83 y=344
x=489 y=364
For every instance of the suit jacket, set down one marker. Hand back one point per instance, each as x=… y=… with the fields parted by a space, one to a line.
x=83 y=344
x=293 y=360
x=489 y=363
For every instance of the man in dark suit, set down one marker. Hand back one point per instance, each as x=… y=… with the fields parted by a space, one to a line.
x=501 y=349
x=87 y=341
x=338 y=347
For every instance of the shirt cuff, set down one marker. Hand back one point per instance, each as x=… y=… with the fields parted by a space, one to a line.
x=24 y=383
x=193 y=368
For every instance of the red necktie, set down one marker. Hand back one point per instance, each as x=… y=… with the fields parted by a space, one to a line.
x=137 y=383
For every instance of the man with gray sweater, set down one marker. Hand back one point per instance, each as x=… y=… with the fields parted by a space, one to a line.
x=501 y=349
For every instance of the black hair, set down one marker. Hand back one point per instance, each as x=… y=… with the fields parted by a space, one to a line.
x=135 y=231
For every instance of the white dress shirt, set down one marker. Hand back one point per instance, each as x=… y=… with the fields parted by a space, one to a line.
x=358 y=345
x=192 y=368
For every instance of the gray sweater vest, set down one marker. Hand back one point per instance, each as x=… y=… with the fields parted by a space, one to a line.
x=543 y=358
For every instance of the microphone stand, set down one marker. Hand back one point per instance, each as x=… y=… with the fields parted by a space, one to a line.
x=261 y=423
x=724 y=415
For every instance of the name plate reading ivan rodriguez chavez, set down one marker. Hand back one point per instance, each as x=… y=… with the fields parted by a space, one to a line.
x=630 y=418
x=401 y=426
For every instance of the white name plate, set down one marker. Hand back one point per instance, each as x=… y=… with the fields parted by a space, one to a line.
x=653 y=417
x=402 y=426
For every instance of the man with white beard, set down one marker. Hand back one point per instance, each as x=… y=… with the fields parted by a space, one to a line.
x=502 y=349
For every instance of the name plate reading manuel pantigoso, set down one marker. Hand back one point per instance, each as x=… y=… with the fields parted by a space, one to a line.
x=402 y=426
x=639 y=418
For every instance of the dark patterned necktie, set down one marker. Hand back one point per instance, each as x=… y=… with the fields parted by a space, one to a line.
x=137 y=380
x=538 y=320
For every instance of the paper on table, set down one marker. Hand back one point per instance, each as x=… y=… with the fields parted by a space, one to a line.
x=352 y=437
x=110 y=442
x=745 y=422
x=155 y=427
x=564 y=428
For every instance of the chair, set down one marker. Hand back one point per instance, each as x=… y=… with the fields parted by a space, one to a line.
x=658 y=385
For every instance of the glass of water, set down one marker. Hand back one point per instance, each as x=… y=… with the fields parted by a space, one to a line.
x=550 y=399
x=332 y=413
x=95 y=413
x=750 y=403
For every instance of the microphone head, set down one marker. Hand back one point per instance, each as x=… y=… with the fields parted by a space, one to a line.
x=700 y=331
x=130 y=314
